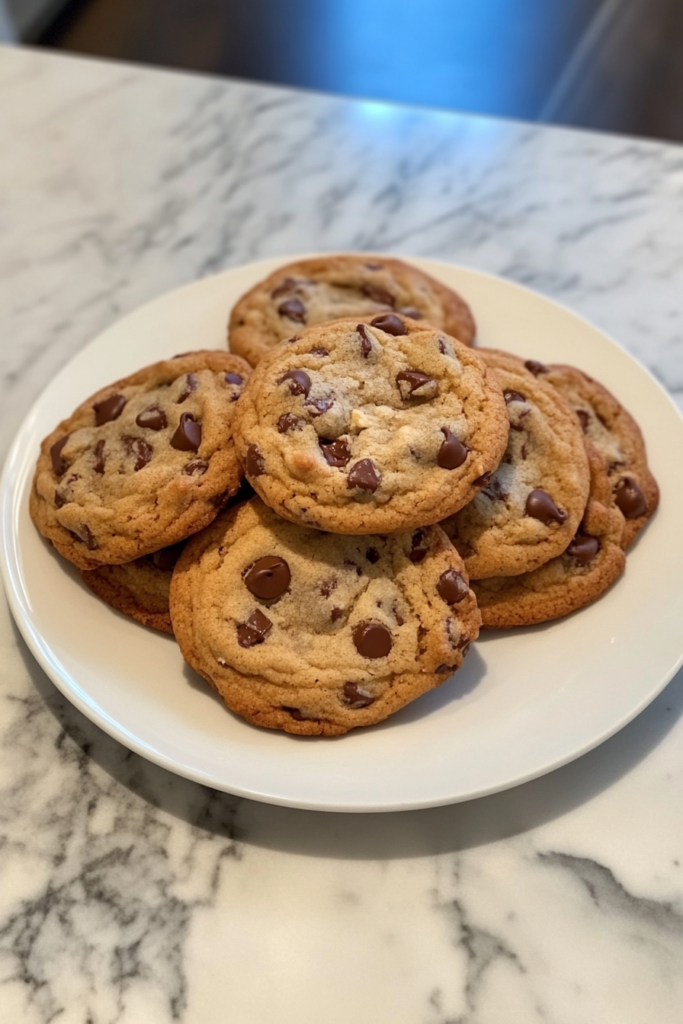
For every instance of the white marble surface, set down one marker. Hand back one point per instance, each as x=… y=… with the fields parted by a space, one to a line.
x=129 y=895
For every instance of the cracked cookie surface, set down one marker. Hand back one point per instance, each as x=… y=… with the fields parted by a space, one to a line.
x=533 y=503
x=357 y=428
x=143 y=463
x=333 y=287
x=317 y=633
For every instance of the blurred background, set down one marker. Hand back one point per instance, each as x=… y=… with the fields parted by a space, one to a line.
x=615 y=65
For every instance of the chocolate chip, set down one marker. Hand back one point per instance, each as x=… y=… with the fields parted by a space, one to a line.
x=584 y=418
x=319 y=352
x=299 y=382
x=285 y=286
x=152 y=417
x=452 y=587
x=445 y=668
x=327 y=586
x=59 y=500
x=255 y=464
x=372 y=555
x=85 y=535
x=234 y=378
x=513 y=396
x=399 y=618
x=59 y=466
x=372 y=639
x=167 y=557
x=197 y=467
x=268 y=578
x=482 y=480
x=289 y=422
x=188 y=435
x=365 y=340
x=443 y=348
x=630 y=499
x=189 y=387
x=378 y=294
x=336 y=453
x=583 y=548
x=411 y=380
x=254 y=630
x=109 y=409
x=99 y=456
x=317 y=406
x=535 y=367
x=336 y=614
x=364 y=475
x=357 y=698
x=295 y=713
x=539 y=505
x=452 y=452
x=390 y=324
x=419 y=548
x=294 y=310
x=374 y=266
x=138 y=447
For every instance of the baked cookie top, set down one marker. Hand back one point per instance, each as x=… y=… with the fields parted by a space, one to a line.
x=357 y=428
x=333 y=287
x=590 y=564
x=317 y=633
x=142 y=463
x=138 y=589
x=617 y=437
x=533 y=503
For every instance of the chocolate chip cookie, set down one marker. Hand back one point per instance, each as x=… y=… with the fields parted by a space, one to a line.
x=333 y=287
x=532 y=505
x=143 y=463
x=617 y=436
x=138 y=589
x=357 y=428
x=316 y=633
x=586 y=569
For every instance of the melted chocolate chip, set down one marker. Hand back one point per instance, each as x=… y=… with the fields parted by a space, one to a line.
x=355 y=697
x=327 y=586
x=630 y=499
x=255 y=465
x=299 y=382
x=86 y=536
x=482 y=480
x=319 y=352
x=513 y=396
x=584 y=419
x=197 y=467
x=336 y=614
x=372 y=555
x=109 y=409
x=443 y=348
x=372 y=639
x=364 y=475
x=268 y=578
x=59 y=500
x=419 y=548
x=390 y=324
x=167 y=557
x=294 y=713
x=99 y=456
x=317 y=406
x=411 y=380
x=188 y=435
x=539 y=505
x=445 y=668
x=140 y=450
x=583 y=548
x=153 y=418
x=337 y=453
x=452 y=452
x=289 y=422
x=533 y=366
x=254 y=630
x=59 y=466
x=413 y=313
x=189 y=387
x=365 y=340
x=452 y=587
x=293 y=309
x=285 y=286
x=377 y=294
x=234 y=378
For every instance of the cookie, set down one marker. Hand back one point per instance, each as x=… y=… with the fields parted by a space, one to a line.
x=143 y=463
x=531 y=507
x=586 y=569
x=364 y=429
x=317 y=633
x=334 y=287
x=617 y=437
x=138 y=589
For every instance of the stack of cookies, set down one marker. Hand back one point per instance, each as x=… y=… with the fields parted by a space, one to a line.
x=408 y=489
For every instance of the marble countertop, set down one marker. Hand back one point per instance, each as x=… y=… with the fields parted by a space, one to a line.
x=128 y=894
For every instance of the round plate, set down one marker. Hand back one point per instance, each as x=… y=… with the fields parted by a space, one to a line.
x=525 y=702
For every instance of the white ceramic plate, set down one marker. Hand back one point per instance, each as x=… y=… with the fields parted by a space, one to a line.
x=524 y=703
